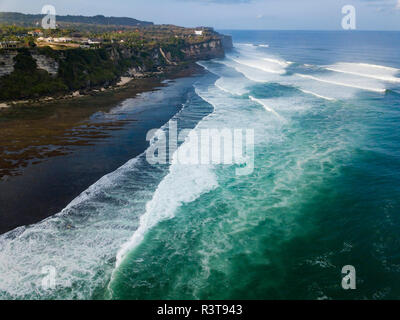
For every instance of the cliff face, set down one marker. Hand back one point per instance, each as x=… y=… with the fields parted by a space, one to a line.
x=46 y=63
x=33 y=73
x=205 y=50
x=162 y=56
x=227 y=42
x=210 y=49
x=7 y=62
x=43 y=62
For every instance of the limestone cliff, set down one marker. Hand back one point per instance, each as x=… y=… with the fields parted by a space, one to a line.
x=7 y=62
x=46 y=63
x=43 y=62
x=36 y=72
x=205 y=50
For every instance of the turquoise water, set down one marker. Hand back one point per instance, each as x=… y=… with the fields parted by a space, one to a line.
x=324 y=192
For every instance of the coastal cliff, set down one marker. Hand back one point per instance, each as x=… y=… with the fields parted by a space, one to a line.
x=204 y=51
x=32 y=73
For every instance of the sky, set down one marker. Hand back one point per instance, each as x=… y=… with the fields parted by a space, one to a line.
x=230 y=14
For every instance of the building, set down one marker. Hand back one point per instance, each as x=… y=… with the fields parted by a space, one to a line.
x=35 y=33
x=62 y=39
x=95 y=41
x=49 y=39
x=198 y=32
x=9 y=44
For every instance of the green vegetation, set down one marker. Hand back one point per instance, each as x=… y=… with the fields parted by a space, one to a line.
x=90 y=52
x=78 y=69
x=87 y=68
x=174 y=46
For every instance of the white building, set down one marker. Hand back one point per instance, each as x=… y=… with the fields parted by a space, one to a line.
x=198 y=32
x=93 y=41
x=62 y=39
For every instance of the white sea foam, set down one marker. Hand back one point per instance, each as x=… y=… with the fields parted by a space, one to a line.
x=81 y=241
x=317 y=95
x=279 y=62
x=245 y=44
x=264 y=103
x=251 y=57
x=366 y=70
x=229 y=80
x=183 y=184
x=205 y=66
x=307 y=85
x=260 y=64
x=377 y=66
x=232 y=85
x=351 y=84
x=252 y=74
x=77 y=242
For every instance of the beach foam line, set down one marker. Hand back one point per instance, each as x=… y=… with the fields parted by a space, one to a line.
x=316 y=95
x=341 y=83
x=268 y=108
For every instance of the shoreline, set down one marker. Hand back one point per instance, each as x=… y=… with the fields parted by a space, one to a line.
x=41 y=144
x=73 y=95
x=27 y=129
x=171 y=71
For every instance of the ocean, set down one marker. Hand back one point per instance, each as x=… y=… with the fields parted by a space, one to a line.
x=324 y=192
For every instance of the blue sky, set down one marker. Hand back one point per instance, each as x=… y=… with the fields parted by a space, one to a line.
x=231 y=14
